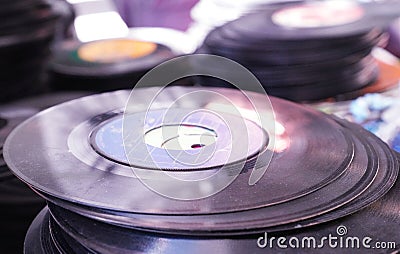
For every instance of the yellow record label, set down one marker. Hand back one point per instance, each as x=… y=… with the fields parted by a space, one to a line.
x=115 y=50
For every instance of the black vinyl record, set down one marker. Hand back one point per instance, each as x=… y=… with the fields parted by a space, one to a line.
x=323 y=169
x=14 y=113
x=18 y=203
x=306 y=84
x=36 y=14
x=325 y=174
x=378 y=222
x=25 y=38
x=304 y=51
x=348 y=53
x=106 y=64
x=12 y=7
x=319 y=20
x=221 y=39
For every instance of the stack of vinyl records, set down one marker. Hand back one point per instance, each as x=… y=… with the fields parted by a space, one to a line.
x=190 y=170
x=18 y=203
x=111 y=64
x=26 y=31
x=306 y=51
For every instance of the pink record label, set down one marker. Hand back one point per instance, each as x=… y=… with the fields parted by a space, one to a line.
x=332 y=13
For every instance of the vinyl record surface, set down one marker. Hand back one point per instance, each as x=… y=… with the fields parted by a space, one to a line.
x=18 y=203
x=346 y=192
x=322 y=169
x=378 y=222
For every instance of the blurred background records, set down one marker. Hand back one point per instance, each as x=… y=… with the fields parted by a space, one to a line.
x=305 y=51
x=26 y=33
x=113 y=63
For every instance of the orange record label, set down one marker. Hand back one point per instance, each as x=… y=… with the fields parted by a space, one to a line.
x=321 y=14
x=109 y=51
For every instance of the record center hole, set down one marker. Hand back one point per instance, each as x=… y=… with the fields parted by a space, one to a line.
x=196 y=146
x=180 y=137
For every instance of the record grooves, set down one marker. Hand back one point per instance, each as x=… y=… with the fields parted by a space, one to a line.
x=18 y=203
x=105 y=208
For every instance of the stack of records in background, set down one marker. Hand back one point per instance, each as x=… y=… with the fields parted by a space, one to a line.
x=306 y=51
x=115 y=63
x=26 y=32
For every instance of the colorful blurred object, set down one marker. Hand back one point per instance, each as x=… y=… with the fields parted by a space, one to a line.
x=156 y=13
x=394 y=38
